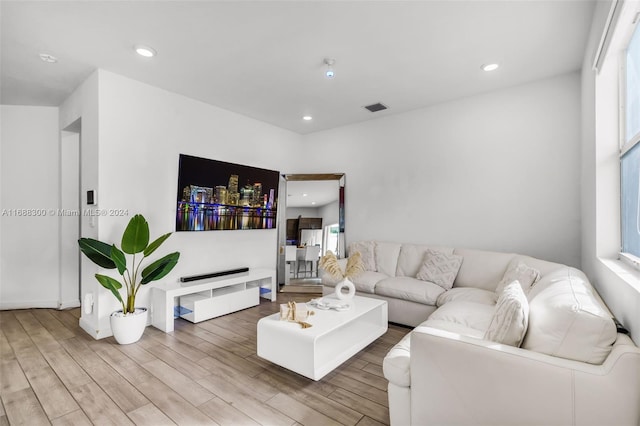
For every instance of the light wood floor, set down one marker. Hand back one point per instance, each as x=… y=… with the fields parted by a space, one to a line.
x=52 y=372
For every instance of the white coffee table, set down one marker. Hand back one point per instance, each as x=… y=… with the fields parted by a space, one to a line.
x=334 y=337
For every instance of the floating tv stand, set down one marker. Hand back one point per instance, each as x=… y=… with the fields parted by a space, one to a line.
x=210 y=298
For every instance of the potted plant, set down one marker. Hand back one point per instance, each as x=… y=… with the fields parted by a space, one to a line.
x=129 y=323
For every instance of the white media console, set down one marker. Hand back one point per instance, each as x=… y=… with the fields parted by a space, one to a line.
x=210 y=298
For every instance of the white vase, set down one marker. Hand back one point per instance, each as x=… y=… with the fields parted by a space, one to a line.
x=128 y=328
x=346 y=283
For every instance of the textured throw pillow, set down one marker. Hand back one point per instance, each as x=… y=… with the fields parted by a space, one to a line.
x=367 y=254
x=440 y=268
x=510 y=317
x=522 y=273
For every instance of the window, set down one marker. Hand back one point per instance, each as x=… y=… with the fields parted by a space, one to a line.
x=630 y=158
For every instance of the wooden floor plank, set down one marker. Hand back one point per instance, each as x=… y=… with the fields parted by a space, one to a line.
x=13 y=378
x=149 y=415
x=300 y=412
x=376 y=411
x=22 y=408
x=205 y=373
x=57 y=330
x=188 y=389
x=225 y=414
x=76 y=418
x=51 y=392
x=98 y=406
x=172 y=404
x=243 y=401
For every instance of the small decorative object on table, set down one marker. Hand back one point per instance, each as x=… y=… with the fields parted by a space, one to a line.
x=355 y=266
x=296 y=312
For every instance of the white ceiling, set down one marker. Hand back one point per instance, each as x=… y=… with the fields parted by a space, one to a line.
x=312 y=193
x=264 y=58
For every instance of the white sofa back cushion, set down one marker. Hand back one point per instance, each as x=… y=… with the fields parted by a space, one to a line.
x=387 y=257
x=481 y=269
x=411 y=258
x=566 y=320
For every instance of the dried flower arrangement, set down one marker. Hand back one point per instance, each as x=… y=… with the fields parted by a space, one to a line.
x=329 y=262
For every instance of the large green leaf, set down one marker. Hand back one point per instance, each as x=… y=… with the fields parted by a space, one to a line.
x=110 y=284
x=97 y=251
x=159 y=268
x=136 y=236
x=119 y=259
x=154 y=245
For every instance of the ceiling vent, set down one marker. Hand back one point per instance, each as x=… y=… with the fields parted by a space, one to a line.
x=376 y=107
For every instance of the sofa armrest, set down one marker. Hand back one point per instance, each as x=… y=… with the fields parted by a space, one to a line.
x=461 y=380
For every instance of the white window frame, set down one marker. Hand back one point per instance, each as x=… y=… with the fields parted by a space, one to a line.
x=624 y=144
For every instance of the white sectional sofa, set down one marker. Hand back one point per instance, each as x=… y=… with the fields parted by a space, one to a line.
x=505 y=339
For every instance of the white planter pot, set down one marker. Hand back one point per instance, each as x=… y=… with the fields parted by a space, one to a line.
x=128 y=328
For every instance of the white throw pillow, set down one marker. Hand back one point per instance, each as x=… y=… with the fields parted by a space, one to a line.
x=510 y=317
x=367 y=254
x=440 y=268
x=522 y=273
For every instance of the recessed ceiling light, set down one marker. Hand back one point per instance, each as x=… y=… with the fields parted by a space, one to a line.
x=145 y=51
x=307 y=118
x=490 y=67
x=45 y=57
x=304 y=195
x=313 y=203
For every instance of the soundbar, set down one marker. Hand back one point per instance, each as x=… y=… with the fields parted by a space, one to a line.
x=212 y=275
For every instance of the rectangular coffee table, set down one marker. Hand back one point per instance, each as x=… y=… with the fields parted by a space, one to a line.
x=334 y=337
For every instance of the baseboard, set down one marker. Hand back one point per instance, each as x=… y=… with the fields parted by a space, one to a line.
x=96 y=334
x=69 y=304
x=50 y=304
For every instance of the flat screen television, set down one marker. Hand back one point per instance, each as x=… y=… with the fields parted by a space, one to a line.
x=216 y=196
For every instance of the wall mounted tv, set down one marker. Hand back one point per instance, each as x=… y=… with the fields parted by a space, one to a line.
x=215 y=195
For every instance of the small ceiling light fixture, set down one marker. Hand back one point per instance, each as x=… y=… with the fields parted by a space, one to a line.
x=307 y=118
x=329 y=73
x=45 y=57
x=490 y=67
x=145 y=51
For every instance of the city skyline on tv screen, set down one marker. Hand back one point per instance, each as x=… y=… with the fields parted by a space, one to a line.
x=217 y=195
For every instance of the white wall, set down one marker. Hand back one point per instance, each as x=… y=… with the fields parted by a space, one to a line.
x=143 y=130
x=497 y=171
x=330 y=213
x=29 y=270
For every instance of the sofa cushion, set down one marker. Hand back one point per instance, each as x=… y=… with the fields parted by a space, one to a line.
x=440 y=268
x=481 y=269
x=510 y=318
x=366 y=281
x=469 y=294
x=387 y=257
x=407 y=288
x=567 y=320
x=367 y=253
x=411 y=258
x=467 y=314
x=519 y=271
